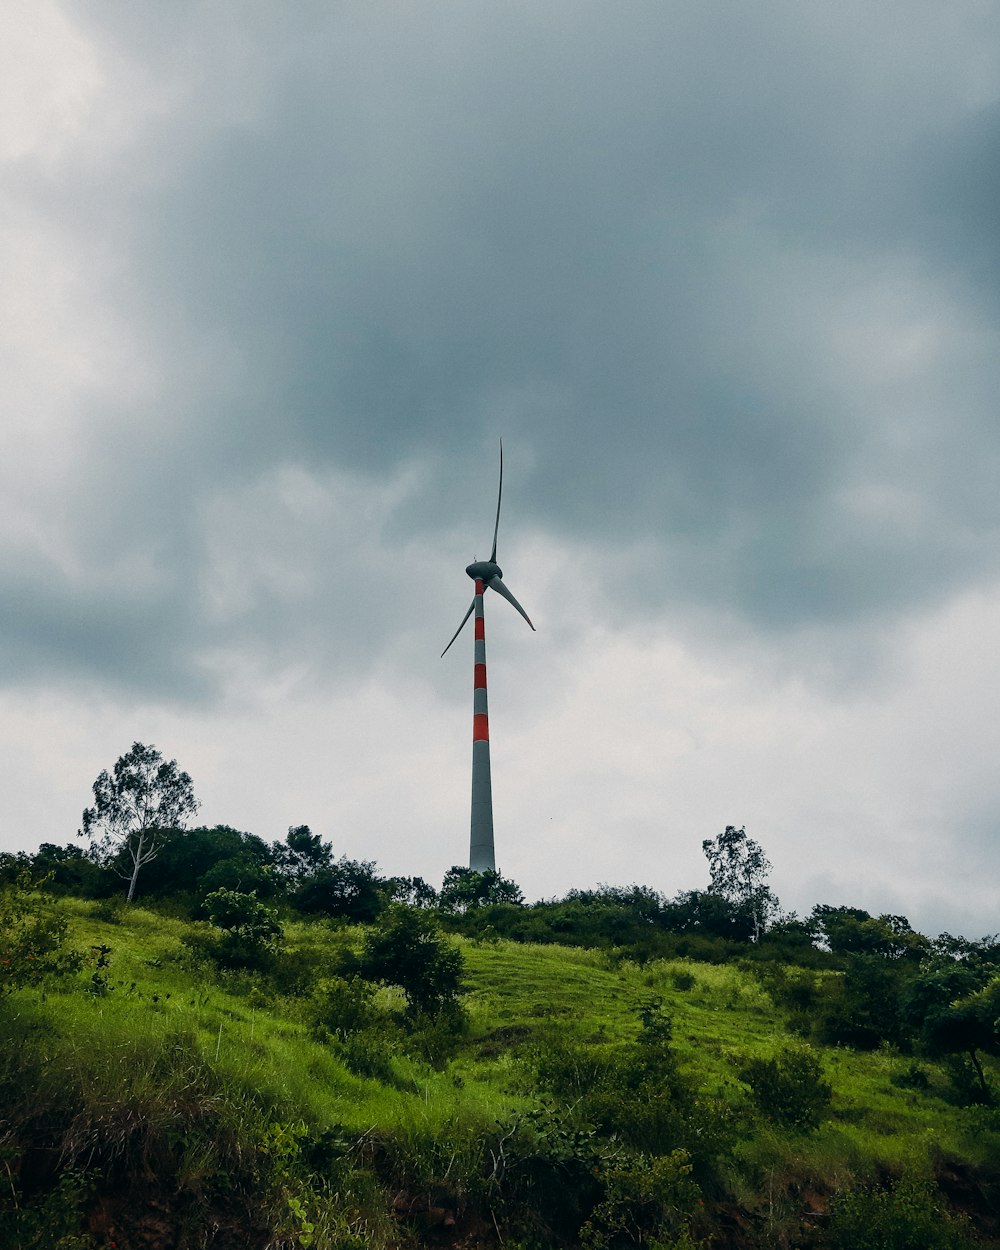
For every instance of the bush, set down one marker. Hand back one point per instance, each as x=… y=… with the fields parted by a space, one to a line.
x=436 y=1038
x=341 y=1012
x=340 y=1006
x=645 y=1200
x=51 y=1220
x=569 y=1069
x=32 y=938
x=789 y=1089
x=635 y=1092
x=547 y=1170
x=369 y=1054
x=913 y=1076
x=406 y=948
x=251 y=931
x=911 y=1215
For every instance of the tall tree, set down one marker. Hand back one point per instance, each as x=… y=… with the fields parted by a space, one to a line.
x=739 y=869
x=136 y=808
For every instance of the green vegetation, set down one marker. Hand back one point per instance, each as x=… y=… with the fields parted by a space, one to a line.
x=279 y=1049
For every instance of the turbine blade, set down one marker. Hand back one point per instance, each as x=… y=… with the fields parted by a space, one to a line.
x=493 y=554
x=461 y=627
x=496 y=584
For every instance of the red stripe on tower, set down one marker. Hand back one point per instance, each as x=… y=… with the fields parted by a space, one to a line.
x=480 y=727
x=479 y=677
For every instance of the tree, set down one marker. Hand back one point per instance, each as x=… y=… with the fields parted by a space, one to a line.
x=852 y=931
x=303 y=854
x=70 y=870
x=710 y=913
x=739 y=869
x=465 y=887
x=136 y=808
x=414 y=891
x=348 y=888
x=968 y=1025
x=194 y=862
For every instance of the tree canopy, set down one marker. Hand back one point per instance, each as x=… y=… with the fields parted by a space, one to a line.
x=136 y=808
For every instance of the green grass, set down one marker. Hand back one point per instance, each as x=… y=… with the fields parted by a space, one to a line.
x=724 y=1017
x=177 y=1060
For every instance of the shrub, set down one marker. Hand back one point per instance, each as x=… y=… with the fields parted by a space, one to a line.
x=31 y=938
x=339 y=1006
x=406 y=948
x=911 y=1215
x=913 y=1076
x=342 y=1012
x=250 y=930
x=797 y=990
x=545 y=1171
x=370 y=1054
x=436 y=1037
x=51 y=1220
x=569 y=1069
x=635 y=1091
x=645 y=1200
x=648 y=1101
x=789 y=1088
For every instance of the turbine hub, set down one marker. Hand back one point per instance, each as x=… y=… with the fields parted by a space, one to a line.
x=484 y=569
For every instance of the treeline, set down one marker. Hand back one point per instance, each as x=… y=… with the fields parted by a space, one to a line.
x=893 y=985
x=300 y=875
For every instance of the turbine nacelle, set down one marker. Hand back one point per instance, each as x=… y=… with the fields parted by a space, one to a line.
x=489 y=572
x=484 y=570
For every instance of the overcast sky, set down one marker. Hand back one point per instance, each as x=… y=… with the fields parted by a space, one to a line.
x=725 y=276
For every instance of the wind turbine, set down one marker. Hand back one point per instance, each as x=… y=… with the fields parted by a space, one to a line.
x=487 y=575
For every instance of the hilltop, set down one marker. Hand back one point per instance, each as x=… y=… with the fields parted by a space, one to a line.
x=251 y=1077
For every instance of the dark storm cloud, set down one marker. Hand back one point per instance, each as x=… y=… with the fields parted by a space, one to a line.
x=56 y=630
x=381 y=235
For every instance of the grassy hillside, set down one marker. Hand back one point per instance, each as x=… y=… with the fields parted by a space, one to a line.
x=156 y=1098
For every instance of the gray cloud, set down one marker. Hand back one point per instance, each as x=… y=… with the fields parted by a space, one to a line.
x=721 y=276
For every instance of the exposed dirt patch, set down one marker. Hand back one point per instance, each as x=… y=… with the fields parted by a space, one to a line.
x=973 y=1191
x=154 y=1221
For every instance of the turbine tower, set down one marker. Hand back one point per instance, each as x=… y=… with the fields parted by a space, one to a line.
x=487 y=575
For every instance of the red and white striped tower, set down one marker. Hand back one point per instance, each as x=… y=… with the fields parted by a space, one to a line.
x=481 y=852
